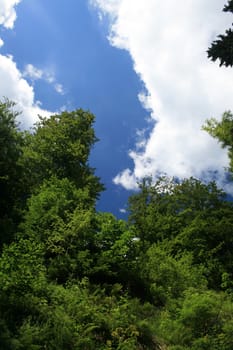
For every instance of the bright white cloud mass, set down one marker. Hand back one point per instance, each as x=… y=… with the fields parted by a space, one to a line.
x=7 y=12
x=167 y=41
x=17 y=89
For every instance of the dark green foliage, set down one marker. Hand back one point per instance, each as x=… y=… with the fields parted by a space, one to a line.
x=75 y=318
x=228 y=6
x=11 y=191
x=222 y=48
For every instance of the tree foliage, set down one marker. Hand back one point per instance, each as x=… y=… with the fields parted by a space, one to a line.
x=60 y=146
x=223 y=131
x=75 y=278
x=11 y=189
x=222 y=48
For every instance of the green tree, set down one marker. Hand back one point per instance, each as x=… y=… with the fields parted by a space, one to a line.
x=168 y=206
x=22 y=286
x=60 y=146
x=145 y=208
x=61 y=216
x=115 y=252
x=222 y=48
x=168 y=277
x=202 y=322
x=11 y=188
x=190 y=217
x=223 y=132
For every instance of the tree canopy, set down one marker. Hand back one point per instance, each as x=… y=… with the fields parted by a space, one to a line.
x=75 y=278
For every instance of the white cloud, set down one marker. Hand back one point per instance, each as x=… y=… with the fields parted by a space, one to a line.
x=33 y=73
x=1 y=42
x=17 y=89
x=127 y=179
x=109 y=8
x=7 y=12
x=59 y=88
x=167 y=41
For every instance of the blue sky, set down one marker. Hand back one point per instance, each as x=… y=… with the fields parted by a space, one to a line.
x=69 y=44
x=140 y=67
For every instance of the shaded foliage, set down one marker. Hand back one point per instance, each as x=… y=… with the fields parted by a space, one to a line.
x=222 y=48
x=11 y=179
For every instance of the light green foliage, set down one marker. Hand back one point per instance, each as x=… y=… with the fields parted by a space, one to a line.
x=52 y=206
x=60 y=216
x=223 y=132
x=21 y=265
x=60 y=146
x=77 y=241
x=202 y=322
x=169 y=276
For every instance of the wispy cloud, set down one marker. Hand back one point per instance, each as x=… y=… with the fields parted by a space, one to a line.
x=167 y=42
x=59 y=88
x=33 y=73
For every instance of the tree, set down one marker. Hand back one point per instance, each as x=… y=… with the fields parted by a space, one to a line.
x=223 y=132
x=22 y=286
x=203 y=322
x=60 y=146
x=189 y=217
x=168 y=276
x=11 y=190
x=162 y=209
x=222 y=48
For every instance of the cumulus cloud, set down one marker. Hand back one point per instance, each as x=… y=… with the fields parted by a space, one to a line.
x=167 y=41
x=17 y=89
x=7 y=12
x=1 y=42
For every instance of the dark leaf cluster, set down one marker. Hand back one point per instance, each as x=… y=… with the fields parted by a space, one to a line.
x=222 y=48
